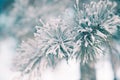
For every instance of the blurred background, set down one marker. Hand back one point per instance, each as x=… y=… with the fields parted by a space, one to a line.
x=18 y=19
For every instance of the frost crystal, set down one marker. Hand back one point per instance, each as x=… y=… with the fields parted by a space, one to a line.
x=28 y=56
x=95 y=23
x=83 y=34
x=52 y=43
x=55 y=40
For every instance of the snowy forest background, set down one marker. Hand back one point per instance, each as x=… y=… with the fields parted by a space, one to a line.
x=18 y=19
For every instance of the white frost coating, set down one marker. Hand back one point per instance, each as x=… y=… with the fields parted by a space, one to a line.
x=95 y=23
x=51 y=44
x=111 y=24
x=82 y=35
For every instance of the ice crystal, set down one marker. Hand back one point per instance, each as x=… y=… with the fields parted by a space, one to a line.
x=95 y=23
x=28 y=55
x=52 y=42
x=84 y=34
x=55 y=39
